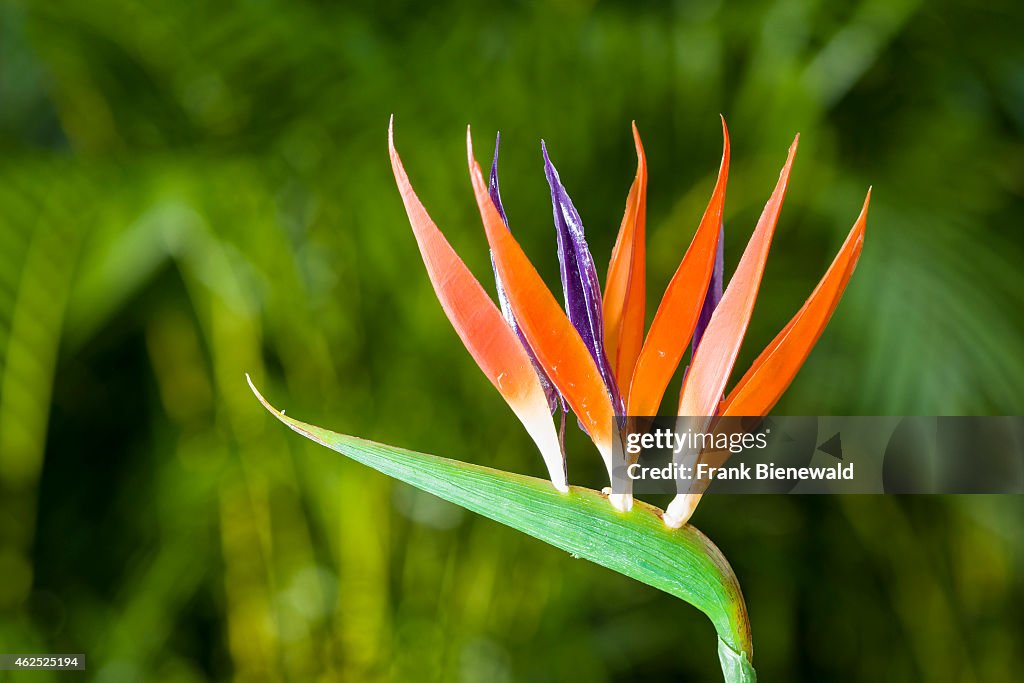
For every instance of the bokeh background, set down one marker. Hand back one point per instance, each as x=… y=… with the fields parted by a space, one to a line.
x=190 y=191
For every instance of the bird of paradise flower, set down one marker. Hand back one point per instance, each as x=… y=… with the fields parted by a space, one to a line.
x=593 y=357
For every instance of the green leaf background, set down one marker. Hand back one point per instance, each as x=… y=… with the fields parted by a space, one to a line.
x=192 y=191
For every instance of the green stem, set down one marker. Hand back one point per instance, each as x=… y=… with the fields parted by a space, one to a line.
x=736 y=666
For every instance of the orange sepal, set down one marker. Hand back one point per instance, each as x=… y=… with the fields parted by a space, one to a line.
x=478 y=322
x=769 y=376
x=625 y=286
x=680 y=307
x=555 y=342
x=716 y=355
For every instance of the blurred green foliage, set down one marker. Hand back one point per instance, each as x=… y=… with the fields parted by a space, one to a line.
x=190 y=191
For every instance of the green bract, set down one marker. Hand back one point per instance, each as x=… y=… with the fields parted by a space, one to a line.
x=682 y=562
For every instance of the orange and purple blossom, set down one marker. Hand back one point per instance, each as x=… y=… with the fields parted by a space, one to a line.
x=593 y=356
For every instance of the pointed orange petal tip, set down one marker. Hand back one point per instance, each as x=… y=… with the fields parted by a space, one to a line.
x=625 y=296
x=480 y=325
x=555 y=342
x=680 y=307
x=773 y=371
x=716 y=355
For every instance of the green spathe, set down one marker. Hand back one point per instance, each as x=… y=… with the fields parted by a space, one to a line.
x=682 y=562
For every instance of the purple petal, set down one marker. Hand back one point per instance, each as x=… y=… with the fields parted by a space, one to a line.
x=579 y=278
x=714 y=294
x=506 y=308
x=492 y=185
